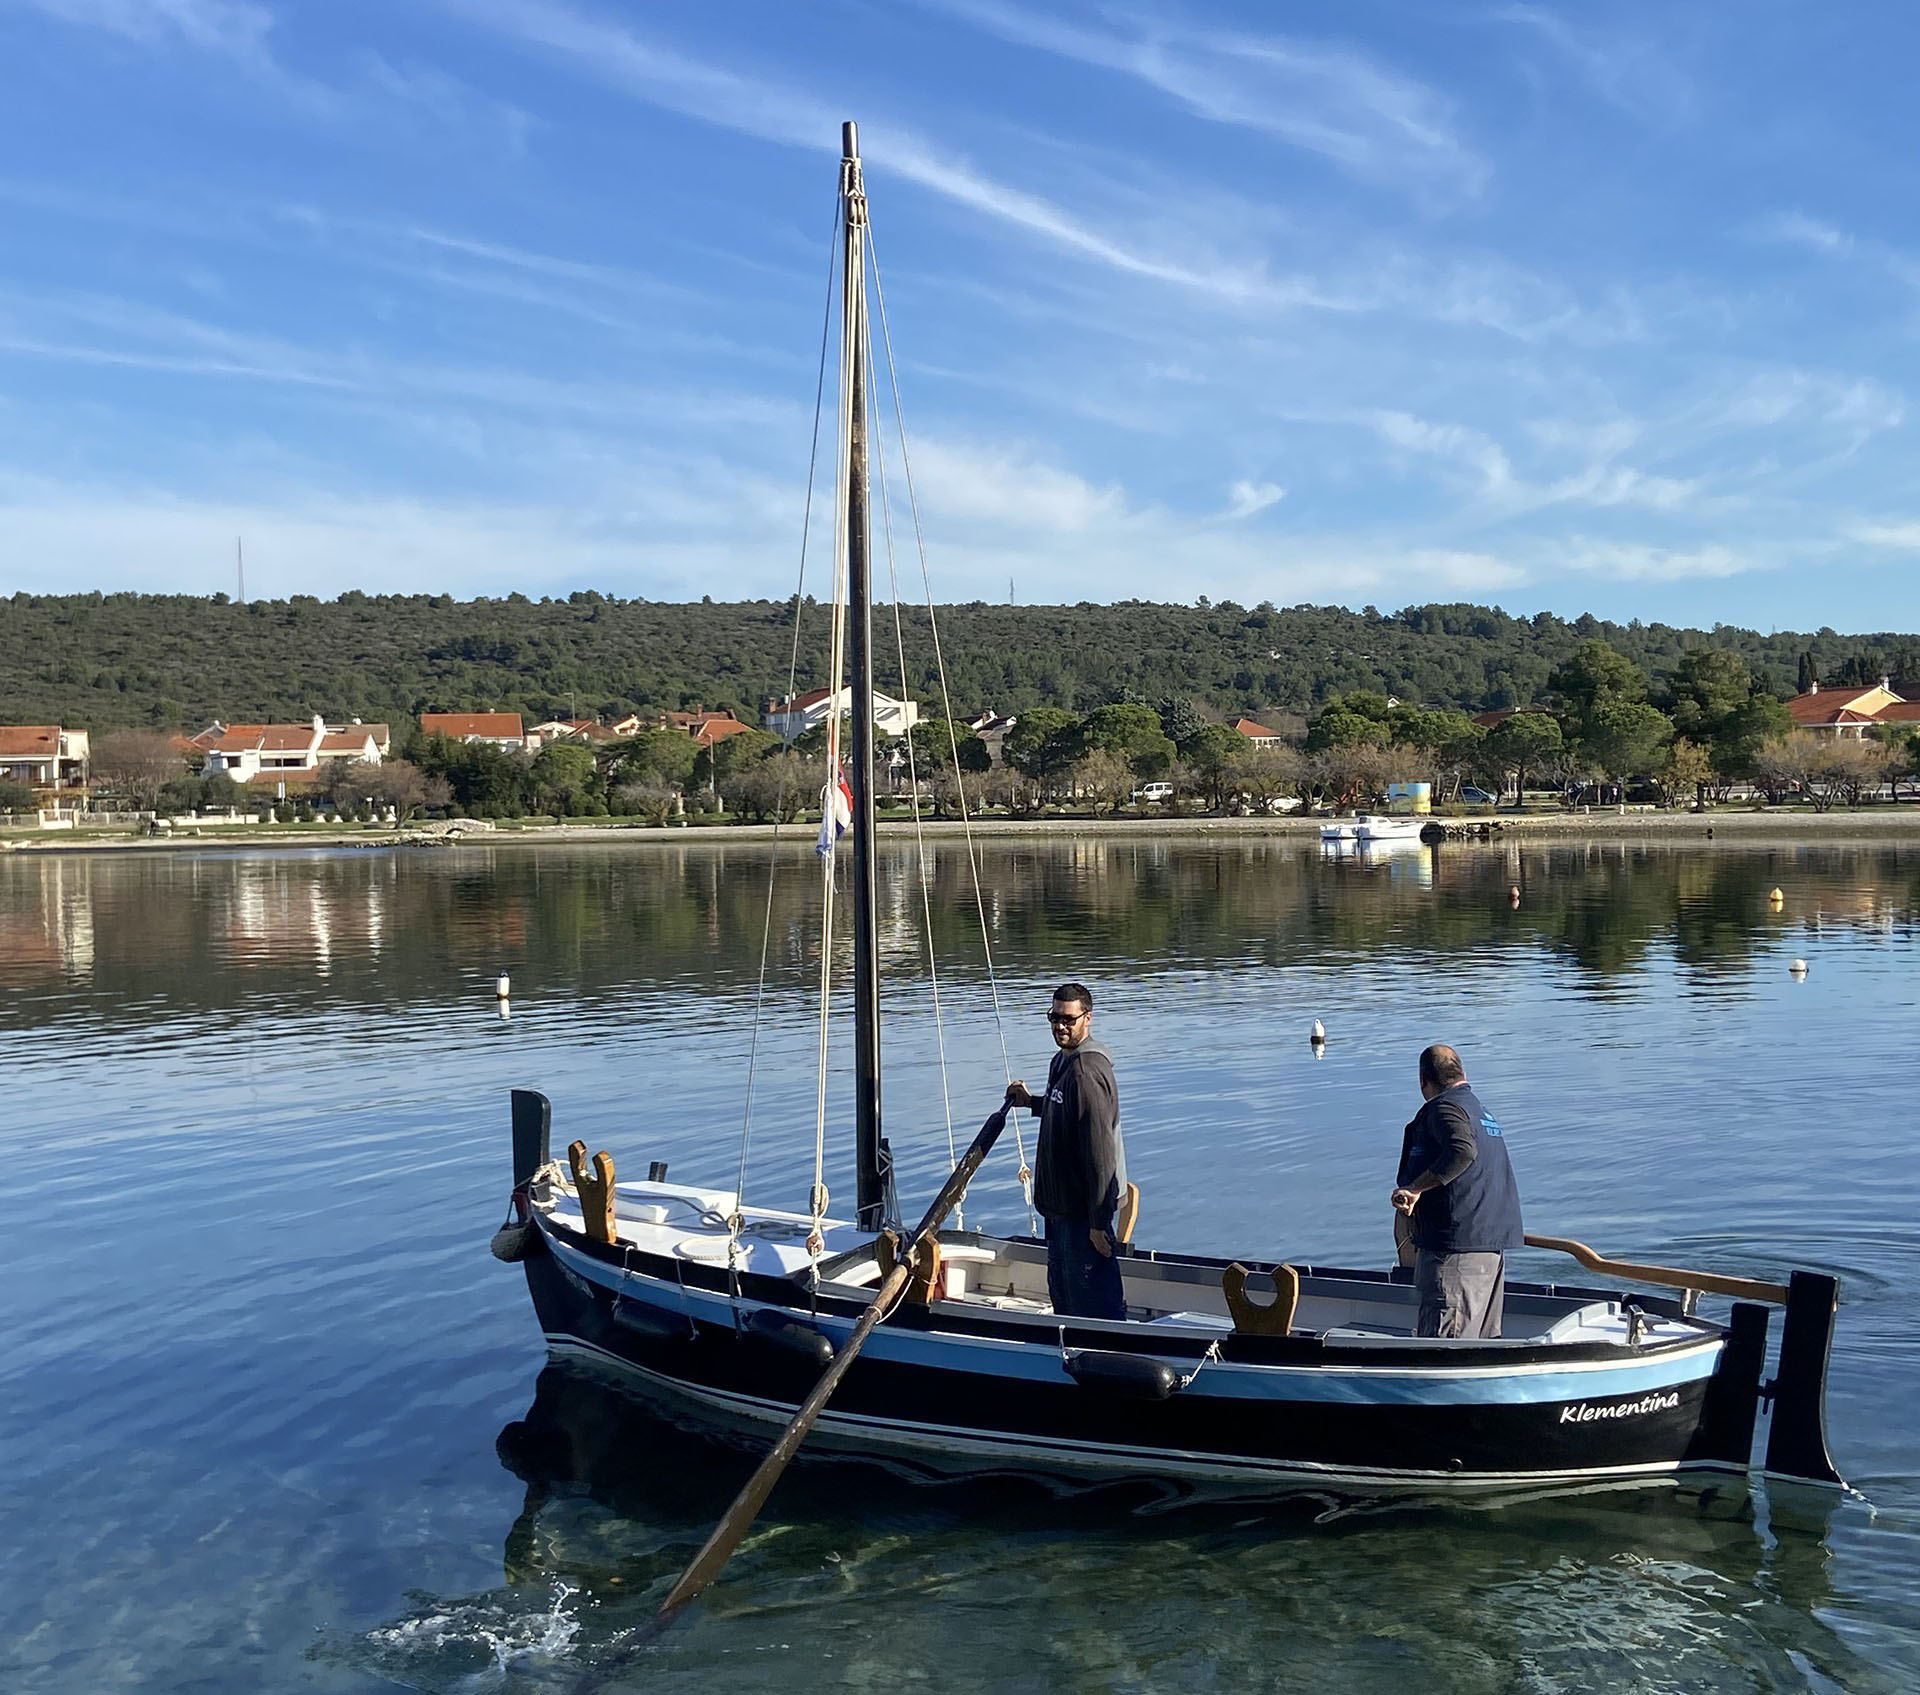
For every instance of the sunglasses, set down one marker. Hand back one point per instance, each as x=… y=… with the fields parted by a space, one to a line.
x=1063 y=1019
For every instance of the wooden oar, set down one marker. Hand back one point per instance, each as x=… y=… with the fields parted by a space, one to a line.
x=1706 y=1282
x=734 y=1523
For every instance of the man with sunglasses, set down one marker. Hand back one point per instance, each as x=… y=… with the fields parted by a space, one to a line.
x=1080 y=1169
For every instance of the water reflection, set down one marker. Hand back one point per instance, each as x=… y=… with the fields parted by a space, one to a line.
x=857 y=1574
x=682 y=913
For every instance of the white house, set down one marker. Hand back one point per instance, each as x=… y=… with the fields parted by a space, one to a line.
x=794 y=715
x=43 y=755
x=248 y=752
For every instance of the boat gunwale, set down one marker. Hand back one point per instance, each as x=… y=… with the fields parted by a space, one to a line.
x=786 y=1292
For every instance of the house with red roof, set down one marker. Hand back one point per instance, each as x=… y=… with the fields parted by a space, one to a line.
x=44 y=756
x=250 y=753
x=1849 y=711
x=1258 y=734
x=707 y=728
x=502 y=729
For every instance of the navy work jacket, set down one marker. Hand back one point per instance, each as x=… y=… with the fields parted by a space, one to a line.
x=1478 y=1212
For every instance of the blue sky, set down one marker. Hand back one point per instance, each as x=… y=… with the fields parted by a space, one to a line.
x=1577 y=307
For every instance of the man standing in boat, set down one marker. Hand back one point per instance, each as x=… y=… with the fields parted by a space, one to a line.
x=1080 y=1169
x=1455 y=1188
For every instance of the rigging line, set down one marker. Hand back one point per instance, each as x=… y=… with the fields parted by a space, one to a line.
x=913 y=781
x=946 y=704
x=793 y=672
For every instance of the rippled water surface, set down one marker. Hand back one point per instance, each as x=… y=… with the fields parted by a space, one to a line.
x=272 y=1418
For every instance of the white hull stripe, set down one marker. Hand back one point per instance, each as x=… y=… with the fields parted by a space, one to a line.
x=1542 y=1382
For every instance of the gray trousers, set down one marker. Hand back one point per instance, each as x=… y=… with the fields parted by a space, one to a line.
x=1459 y=1294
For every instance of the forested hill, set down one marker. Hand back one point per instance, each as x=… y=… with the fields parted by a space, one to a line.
x=107 y=661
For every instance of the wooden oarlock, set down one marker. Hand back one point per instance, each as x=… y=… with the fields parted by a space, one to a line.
x=595 y=1188
x=1705 y=1282
x=1257 y=1318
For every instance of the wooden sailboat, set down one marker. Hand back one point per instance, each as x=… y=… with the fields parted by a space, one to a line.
x=1251 y=1375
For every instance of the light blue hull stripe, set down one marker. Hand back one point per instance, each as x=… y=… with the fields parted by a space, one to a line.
x=1532 y=1382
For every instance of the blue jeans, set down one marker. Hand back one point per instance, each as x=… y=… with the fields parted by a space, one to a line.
x=1082 y=1282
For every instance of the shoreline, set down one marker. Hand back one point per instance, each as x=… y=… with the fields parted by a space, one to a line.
x=1877 y=824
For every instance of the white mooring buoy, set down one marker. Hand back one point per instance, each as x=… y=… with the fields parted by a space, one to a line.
x=502 y=988
x=1798 y=968
x=1318 y=1034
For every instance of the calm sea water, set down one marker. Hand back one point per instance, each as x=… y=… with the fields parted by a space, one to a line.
x=272 y=1418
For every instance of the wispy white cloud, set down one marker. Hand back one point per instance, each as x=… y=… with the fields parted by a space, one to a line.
x=236 y=28
x=1630 y=72
x=1639 y=562
x=1904 y=536
x=239 y=34
x=1007 y=486
x=1796 y=229
x=1483 y=292
x=1335 y=102
x=1247 y=497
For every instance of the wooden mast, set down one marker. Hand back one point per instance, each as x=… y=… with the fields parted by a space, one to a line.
x=874 y=1194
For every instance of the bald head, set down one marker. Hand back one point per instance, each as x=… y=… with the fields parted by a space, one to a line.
x=1440 y=1068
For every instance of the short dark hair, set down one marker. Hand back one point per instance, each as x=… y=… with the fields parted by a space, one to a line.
x=1075 y=992
x=1440 y=1066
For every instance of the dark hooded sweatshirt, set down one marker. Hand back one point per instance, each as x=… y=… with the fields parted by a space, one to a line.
x=1080 y=1170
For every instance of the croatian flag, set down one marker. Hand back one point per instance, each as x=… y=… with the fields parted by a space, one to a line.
x=836 y=813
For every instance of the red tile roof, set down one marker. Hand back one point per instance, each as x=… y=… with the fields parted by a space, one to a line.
x=1255 y=732
x=716 y=728
x=1498 y=716
x=29 y=741
x=1830 y=706
x=489 y=726
x=347 y=741
x=1901 y=712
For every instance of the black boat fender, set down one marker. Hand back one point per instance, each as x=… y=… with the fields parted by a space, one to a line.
x=514 y=1239
x=777 y=1330
x=1133 y=1377
x=649 y=1321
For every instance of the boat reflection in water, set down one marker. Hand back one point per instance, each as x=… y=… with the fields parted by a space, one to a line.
x=1405 y=859
x=863 y=1559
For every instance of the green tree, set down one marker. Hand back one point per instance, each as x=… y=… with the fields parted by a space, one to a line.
x=1624 y=737
x=660 y=757
x=1522 y=743
x=1593 y=678
x=1744 y=731
x=17 y=797
x=564 y=779
x=934 y=741
x=1708 y=686
x=1180 y=719
x=1043 y=743
x=1133 y=733
x=1350 y=721
x=1212 y=753
x=1807 y=676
